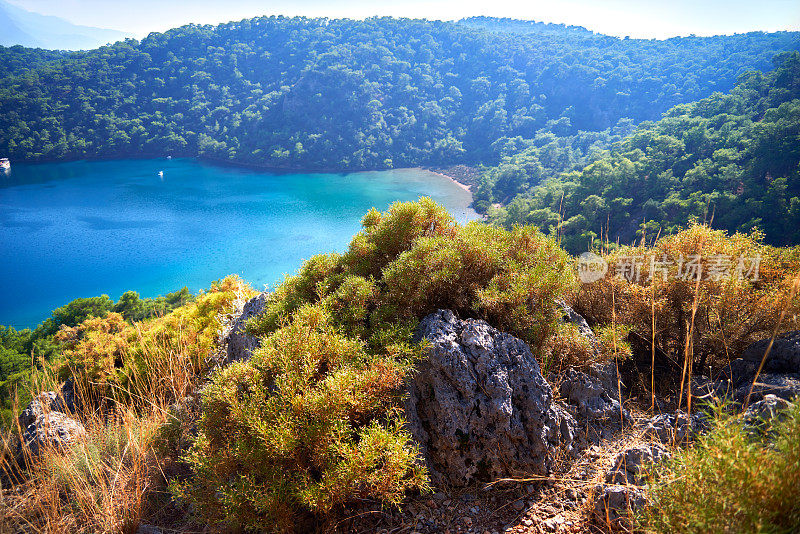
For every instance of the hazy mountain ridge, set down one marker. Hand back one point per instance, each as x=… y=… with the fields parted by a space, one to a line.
x=22 y=27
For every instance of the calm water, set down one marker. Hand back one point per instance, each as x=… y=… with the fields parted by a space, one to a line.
x=82 y=229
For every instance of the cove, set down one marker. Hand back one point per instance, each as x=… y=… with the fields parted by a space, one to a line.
x=86 y=228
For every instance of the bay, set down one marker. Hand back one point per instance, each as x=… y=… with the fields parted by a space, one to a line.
x=86 y=228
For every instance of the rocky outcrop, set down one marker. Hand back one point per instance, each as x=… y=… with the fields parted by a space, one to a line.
x=595 y=394
x=783 y=386
x=677 y=427
x=50 y=430
x=614 y=505
x=479 y=406
x=780 y=375
x=48 y=401
x=629 y=466
x=783 y=358
x=762 y=412
x=239 y=345
x=572 y=317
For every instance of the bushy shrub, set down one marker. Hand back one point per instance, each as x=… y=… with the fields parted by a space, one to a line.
x=310 y=423
x=731 y=480
x=414 y=259
x=722 y=314
x=112 y=359
x=315 y=419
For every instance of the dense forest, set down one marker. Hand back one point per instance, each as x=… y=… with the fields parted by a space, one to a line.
x=346 y=94
x=730 y=159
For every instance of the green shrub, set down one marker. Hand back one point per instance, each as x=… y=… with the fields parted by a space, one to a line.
x=315 y=419
x=413 y=259
x=732 y=481
x=310 y=423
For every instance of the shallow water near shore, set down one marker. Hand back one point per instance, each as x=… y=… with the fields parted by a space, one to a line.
x=87 y=228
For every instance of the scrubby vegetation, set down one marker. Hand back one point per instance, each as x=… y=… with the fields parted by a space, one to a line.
x=314 y=421
x=696 y=299
x=732 y=480
x=126 y=379
x=22 y=351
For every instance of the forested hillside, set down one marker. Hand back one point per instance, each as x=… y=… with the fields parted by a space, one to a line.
x=730 y=159
x=344 y=94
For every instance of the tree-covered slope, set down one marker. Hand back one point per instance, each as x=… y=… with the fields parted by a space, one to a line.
x=729 y=159
x=297 y=92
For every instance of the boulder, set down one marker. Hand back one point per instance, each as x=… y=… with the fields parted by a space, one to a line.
x=675 y=427
x=628 y=467
x=595 y=394
x=239 y=345
x=49 y=401
x=49 y=430
x=479 y=406
x=764 y=410
x=784 y=356
x=783 y=386
x=614 y=505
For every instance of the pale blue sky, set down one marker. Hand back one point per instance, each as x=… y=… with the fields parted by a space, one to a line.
x=643 y=18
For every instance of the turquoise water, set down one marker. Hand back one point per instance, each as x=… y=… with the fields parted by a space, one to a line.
x=82 y=229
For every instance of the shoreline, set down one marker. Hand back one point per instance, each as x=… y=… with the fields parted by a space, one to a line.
x=462 y=185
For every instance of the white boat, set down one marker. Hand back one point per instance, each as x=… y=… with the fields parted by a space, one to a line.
x=5 y=164
x=160 y=174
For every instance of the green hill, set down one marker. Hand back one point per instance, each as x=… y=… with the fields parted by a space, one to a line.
x=345 y=94
x=730 y=159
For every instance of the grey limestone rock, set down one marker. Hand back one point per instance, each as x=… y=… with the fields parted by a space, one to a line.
x=784 y=386
x=628 y=467
x=615 y=504
x=595 y=394
x=479 y=406
x=49 y=430
x=784 y=356
x=675 y=427
x=239 y=345
x=764 y=410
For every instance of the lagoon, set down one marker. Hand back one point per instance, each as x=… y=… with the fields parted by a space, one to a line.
x=86 y=228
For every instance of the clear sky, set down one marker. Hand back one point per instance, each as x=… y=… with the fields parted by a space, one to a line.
x=637 y=18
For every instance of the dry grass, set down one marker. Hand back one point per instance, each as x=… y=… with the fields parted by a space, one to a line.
x=114 y=477
x=695 y=326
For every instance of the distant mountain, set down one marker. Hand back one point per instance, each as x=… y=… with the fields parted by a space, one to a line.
x=18 y=26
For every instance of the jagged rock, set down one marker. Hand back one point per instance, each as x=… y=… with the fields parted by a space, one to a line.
x=50 y=429
x=479 y=406
x=595 y=393
x=675 y=427
x=764 y=410
x=239 y=344
x=784 y=357
x=629 y=465
x=49 y=401
x=783 y=386
x=742 y=371
x=615 y=504
x=576 y=319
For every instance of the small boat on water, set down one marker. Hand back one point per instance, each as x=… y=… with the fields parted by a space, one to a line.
x=5 y=164
x=160 y=174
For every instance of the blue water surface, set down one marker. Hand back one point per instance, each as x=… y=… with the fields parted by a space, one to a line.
x=82 y=229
